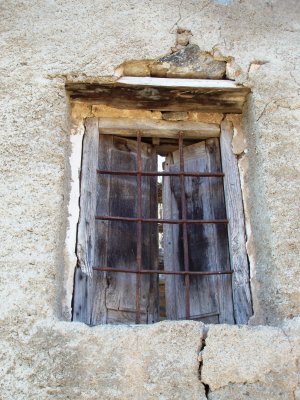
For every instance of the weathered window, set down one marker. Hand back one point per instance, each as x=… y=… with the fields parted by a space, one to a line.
x=123 y=274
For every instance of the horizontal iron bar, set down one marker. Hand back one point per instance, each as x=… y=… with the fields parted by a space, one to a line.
x=157 y=271
x=161 y=173
x=163 y=221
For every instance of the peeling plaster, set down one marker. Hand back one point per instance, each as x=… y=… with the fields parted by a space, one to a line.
x=73 y=216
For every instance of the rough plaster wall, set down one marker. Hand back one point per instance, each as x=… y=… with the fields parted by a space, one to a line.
x=77 y=362
x=60 y=360
x=261 y=362
x=43 y=43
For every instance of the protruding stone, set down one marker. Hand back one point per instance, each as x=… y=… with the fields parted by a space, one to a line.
x=183 y=37
x=189 y=62
x=134 y=68
x=233 y=71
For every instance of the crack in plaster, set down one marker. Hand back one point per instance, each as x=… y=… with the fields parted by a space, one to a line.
x=180 y=14
x=264 y=110
x=275 y=102
x=200 y=359
x=179 y=18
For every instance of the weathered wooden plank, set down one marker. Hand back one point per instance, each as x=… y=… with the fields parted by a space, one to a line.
x=210 y=297
x=157 y=128
x=237 y=235
x=100 y=281
x=219 y=246
x=82 y=296
x=88 y=188
x=115 y=293
x=83 y=280
x=163 y=94
x=173 y=288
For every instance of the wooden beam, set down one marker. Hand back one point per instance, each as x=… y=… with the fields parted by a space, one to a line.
x=165 y=94
x=157 y=128
x=236 y=228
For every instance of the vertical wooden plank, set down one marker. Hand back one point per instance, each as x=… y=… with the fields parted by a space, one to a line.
x=210 y=296
x=100 y=279
x=237 y=236
x=174 y=290
x=150 y=243
x=86 y=227
x=219 y=233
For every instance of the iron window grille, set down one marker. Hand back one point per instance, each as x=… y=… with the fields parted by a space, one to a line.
x=139 y=220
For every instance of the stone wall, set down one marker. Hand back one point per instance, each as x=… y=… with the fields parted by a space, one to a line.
x=45 y=44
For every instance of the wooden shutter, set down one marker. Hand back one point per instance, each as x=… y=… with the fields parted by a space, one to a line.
x=110 y=297
x=210 y=296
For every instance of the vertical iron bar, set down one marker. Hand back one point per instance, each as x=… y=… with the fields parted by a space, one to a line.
x=184 y=229
x=139 y=229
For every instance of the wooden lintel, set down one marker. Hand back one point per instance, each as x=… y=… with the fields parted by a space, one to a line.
x=165 y=94
x=157 y=128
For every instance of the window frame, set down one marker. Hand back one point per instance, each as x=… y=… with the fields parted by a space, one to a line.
x=232 y=190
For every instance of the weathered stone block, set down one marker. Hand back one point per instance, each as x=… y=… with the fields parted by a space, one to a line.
x=189 y=62
x=63 y=360
x=260 y=357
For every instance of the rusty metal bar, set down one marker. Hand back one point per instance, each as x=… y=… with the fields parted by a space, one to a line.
x=162 y=173
x=139 y=229
x=162 y=221
x=184 y=229
x=161 y=272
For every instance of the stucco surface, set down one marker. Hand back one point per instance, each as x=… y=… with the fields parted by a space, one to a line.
x=60 y=360
x=76 y=362
x=261 y=363
x=45 y=43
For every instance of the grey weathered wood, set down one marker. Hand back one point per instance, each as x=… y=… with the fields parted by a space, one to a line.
x=163 y=94
x=210 y=296
x=86 y=227
x=114 y=298
x=170 y=238
x=82 y=296
x=88 y=185
x=237 y=235
x=157 y=128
